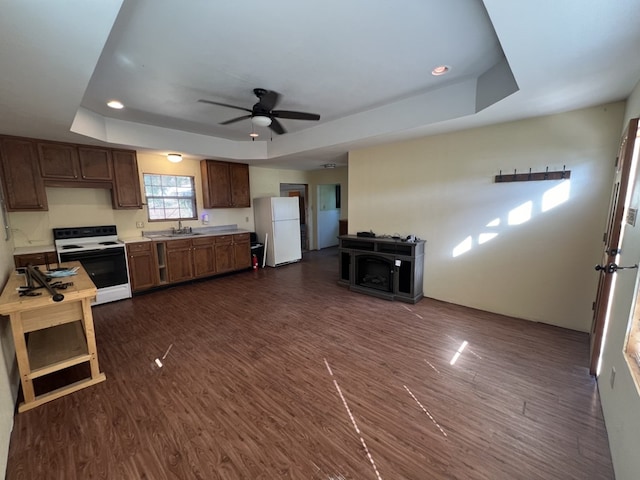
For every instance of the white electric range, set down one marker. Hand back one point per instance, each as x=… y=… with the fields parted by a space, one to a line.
x=101 y=254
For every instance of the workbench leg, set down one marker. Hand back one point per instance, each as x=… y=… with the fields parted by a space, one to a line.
x=87 y=322
x=22 y=356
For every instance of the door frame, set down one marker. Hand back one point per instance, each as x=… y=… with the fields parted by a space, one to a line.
x=612 y=240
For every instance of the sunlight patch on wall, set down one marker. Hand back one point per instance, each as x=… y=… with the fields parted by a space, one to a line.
x=520 y=214
x=550 y=199
x=463 y=247
x=485 y=237
x=556 y=196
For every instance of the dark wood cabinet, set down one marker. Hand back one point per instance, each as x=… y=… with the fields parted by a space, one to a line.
x=241 y=251
x=382 y=267
x=58 y=161
x=143 y=266
x=29 y=165
x=204 y=256
x=61 y=163
x=21 y=180
x=224 y=253
x=40 y=258
x=179 y=258
x=239 y=181
x=95 y=164
x=126 y=180
x=225 y=185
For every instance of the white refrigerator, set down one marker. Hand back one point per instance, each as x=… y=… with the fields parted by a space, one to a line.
x=277 y=221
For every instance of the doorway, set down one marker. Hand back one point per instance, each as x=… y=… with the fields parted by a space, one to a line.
x=329 y=203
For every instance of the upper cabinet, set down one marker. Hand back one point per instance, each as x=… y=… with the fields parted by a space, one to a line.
x=66 y=162
x=30 y=165
x=225 y=185
x=23 y=185
x=126 y=181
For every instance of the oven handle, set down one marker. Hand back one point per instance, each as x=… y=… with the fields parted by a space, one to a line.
x=106 y=252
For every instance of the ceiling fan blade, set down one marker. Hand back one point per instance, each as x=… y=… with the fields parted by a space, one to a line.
x=277 y=127
x=295 y=115
x=224 y=105
x=234 y=120
x=268 y=100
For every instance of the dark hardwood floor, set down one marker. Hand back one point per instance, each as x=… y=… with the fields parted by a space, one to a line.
x=281 y=373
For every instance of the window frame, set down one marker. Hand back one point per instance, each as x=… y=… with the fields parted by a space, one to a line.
x=176 y=197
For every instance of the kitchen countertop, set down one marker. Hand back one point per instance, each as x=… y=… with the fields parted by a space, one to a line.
x=33 y=249
x=160 y=235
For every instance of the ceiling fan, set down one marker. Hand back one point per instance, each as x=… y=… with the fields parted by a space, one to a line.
x=262 y=113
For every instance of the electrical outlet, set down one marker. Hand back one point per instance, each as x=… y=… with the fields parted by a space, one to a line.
x=612 y=378
x=139 y=224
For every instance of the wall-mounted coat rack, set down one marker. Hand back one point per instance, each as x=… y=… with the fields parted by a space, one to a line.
x=533 y=176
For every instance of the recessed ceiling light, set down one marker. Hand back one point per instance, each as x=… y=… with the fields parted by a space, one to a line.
x=254 y=134
x=115 y=104
x=440 y=70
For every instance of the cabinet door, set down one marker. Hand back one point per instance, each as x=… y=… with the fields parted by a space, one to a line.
x=239 y=180
x=23 y=185
x=204 y=256
x=241 y=251
x=58 y=161
x=143 y=268
x=126 y=181
x=179 y=260
x=216 y=188
x=95 y=163
x=224 y=254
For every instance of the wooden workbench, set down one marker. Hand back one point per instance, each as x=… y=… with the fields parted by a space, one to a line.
x=50 y=336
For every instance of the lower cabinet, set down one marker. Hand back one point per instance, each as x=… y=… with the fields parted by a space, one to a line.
x=42 y=258
x=158 y=263
x=143 y=266
x=179 y=260
x=204 y=256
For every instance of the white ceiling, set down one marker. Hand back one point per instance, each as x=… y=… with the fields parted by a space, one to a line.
x=363 y=66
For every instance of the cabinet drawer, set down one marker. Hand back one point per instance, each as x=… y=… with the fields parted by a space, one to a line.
x=179 y=244
x=241 y=238
x=203 y=241
x=139 y=247
x=41 y=258
x=224 y=239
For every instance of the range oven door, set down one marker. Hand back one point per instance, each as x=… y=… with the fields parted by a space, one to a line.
x=106 y=268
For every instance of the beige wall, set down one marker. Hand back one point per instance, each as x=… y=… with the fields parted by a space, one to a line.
x=8 y=367
x=621 y=403
x=441 y=189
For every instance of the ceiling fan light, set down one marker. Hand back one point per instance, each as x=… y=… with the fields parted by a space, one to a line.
x=174 y=157
x=261 y=120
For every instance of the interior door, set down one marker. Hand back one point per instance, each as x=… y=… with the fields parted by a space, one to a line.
x=612 y=240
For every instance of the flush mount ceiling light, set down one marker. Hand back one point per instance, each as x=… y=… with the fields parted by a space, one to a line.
x=440 y=70
x=115 y=104
x=174 y=157
x=329 y=165
x=261 y=120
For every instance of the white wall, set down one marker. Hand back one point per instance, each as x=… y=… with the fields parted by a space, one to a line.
x=621 y=404
x=441 y=189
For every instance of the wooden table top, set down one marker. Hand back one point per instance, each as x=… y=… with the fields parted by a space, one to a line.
x=11 y=301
